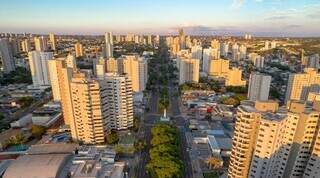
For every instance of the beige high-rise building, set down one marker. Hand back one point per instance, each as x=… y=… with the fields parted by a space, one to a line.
x=208 y=55
x=53 y=41
x=188 y=70
x=150 y=40
x=56 y=67
x=218 y=68
x=40 y=43
x=137 y=70
x=26 y=45
x=62 y=89
x=112 y=65
x=100 y=68
x=182 y=39
x=244 y=139
x=54 y=81
x=71 y=61
x=313 y=166
x=120 y=101
x=89 y=104
x=215 y=44
x=78 y=49
x=234 y=78
x=175 y=46
x=299 y=85
x=276 y=143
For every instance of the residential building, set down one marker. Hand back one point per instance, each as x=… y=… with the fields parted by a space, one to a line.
x=275 y=142
x=112 y=65
x=26 y=45
x=299 y=85
x=188 y=70
x=196 y=52
x=109 y=44
x=38 y=62
x=234 y=78
x=218 y=68
x=137 y=69
x=78 y=49
x=40 y=43
x=57 y=67
x=259 y=86
x=120 y=101
x=208 y=55
x=100 y=68
x=182 y=39
x=6 y=56
x=53 y=41
x=89 y=104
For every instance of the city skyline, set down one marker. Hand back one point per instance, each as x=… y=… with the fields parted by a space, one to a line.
x=257 y=17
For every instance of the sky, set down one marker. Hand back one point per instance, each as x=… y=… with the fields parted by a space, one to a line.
x=197 y=17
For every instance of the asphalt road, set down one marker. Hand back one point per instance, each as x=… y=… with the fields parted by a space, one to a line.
x=151 y=118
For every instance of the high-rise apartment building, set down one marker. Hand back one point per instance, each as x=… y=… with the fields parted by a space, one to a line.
x=150 y=40
x=137 y=70
x=53 y=41
x=234 y=78
x=40 y=43
x=38 y=62
x=243 y=51
x=112 y=65
x=218 y=68
x=25 y=45
x=6 y=56
x=71 y=61
x=54 y=81
x=89 y=105
x=188 y=70
x=243 y=141
x=78 y=49
x=275 y=142
x=224 y=48
x=60 y=73
x=208 y=55
x=182 y=39
x=100 y=68
x=215 y=44
x=109 y=44
x=196 y=52
x=120 y=101
x=299 y=85
x=259 y=86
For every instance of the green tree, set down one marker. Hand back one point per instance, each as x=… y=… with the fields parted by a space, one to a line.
x=112 y=138
x=26 y=101
x=136 y=124
x=37 y=131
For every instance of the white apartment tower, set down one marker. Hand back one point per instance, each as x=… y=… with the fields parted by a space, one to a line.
x=53 y=41
x=38 y=62
x=40 y=43
x=6 y=56
x=109 y=44
x=137 y=70
x=120 y=101
x=300 y=85
x=259 y=86
x=188 y=70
